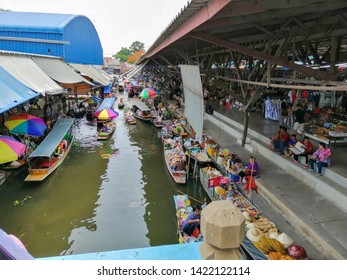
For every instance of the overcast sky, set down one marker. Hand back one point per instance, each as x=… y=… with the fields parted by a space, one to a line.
x=118 y=22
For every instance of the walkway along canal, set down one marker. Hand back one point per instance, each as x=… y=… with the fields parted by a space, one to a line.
x=106 y=196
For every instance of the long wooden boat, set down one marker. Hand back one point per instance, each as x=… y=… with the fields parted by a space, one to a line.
x=198 y=154
x=111 y=128
x=129 y=118
x=183 y=209
x=50 y=154
x=141 y=110
x=15 y=164
x=174 y=156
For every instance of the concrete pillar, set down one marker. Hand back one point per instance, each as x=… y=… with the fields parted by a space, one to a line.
x=223 y=229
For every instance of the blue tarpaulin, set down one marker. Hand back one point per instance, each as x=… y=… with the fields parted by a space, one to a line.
x=13 y=92
x=107 y=89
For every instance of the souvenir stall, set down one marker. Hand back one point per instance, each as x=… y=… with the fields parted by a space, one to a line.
x=328 y=124
x=263 y=239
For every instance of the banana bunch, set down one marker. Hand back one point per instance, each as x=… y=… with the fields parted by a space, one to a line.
x=264 y=224
x=267 y=245
x=279 y=256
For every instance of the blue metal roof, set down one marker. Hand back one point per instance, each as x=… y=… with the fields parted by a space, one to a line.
x=72 y=37
x=13 y=92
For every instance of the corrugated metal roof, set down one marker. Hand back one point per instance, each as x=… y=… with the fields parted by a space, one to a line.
x=12 y=92
x=51 y=34
x=38 y=22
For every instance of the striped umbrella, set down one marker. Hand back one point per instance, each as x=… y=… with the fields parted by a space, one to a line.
x=25 y=124
x=105 y=114
x=10 y=149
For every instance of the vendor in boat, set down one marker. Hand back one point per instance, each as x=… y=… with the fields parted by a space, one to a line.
x=192 y=222
x=104 y=128
x=179 y=165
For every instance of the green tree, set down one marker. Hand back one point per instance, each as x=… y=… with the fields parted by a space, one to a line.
x=123 y=54
x=137 y=46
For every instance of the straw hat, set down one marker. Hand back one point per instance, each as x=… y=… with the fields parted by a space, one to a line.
x=254 y=234
x=285 y=239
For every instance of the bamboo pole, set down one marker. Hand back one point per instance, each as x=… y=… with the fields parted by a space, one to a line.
x=190 y=197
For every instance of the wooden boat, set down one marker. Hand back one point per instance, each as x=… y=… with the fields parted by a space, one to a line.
x=77 y=112
x=129 y=118
x=183 y=209
x=111 y=128
x=175 y=160
x=52 y=151
x=15 y=164
x=141 y=110
x=157 y=124
x=198 y=154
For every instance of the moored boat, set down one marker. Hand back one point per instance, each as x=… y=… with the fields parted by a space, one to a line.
x=141 y=110
x=183 y=209
x=129 y=118
x=52 y=151
x=175 y=160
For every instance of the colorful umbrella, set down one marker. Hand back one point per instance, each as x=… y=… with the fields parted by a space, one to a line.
x=147 y=93
x=25 y=124
x=10 y=149
x=105 y=114
x=92 y=100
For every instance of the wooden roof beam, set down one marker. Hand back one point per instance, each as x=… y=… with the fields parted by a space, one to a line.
x=254 y=53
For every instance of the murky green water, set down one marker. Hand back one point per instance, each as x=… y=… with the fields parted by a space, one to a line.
x=91 y=203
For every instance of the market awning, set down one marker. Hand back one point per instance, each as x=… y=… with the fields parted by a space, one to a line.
x=103 y=72
x=13 y=92
x=134 y=71
x=59 y=71
x=25 y=70
x=52 y=140
x=141 y=105
x=91 y=72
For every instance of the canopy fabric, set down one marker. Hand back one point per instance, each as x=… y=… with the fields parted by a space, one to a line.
x=13 y=92
x=139 y=104
x=25 y=70
x=134 y=71
x=91 y=72
x=103 y=72
x=59 y=71
x=193 y=96
x=53 y=139
x=107 y=103
x=107 y=89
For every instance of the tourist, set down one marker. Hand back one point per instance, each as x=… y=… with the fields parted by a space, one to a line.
x=292 y=141
x=299 y=115
x=308 y=151
x=280 y=141
x=321 y=157
x=192 y=222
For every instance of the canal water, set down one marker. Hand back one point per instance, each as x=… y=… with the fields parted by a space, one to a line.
x=106 y=196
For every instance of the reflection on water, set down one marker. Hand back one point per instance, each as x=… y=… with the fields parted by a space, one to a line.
x=109 y=195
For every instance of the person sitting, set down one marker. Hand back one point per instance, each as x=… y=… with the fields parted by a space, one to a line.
x=192 y=221
x=251 y=168
x=280 y=141
x=292 y=141
x=308 y=151
x=179 y=165
x=321 y=157
x=104 y=128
